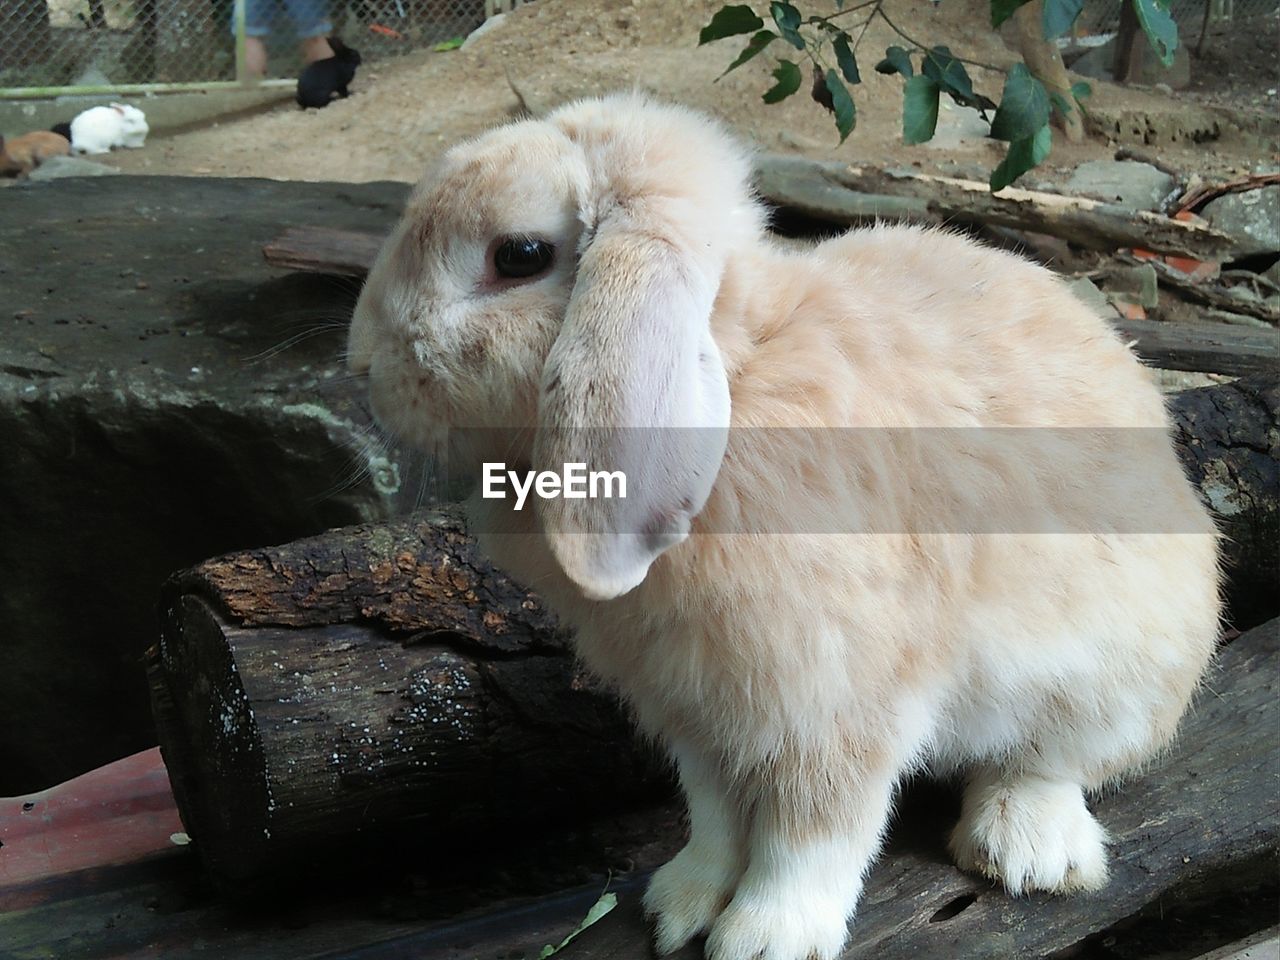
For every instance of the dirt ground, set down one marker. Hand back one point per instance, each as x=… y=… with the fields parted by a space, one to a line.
x=403 y=113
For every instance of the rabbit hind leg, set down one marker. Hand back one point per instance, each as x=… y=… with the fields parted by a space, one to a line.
x=1030 y=832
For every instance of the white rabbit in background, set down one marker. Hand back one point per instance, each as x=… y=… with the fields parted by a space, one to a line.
x=100 y=129
x=608 y=267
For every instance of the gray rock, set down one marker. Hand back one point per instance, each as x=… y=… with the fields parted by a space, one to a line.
x=93 y=76
x=1097 y=65
x=1137 y=284
x=1136 y=185
x=1088 y=293
x=1096 y=62
x=147 y=421
x=491 y=24
x=55 y=168
x=958 y=126
x=1252 y=217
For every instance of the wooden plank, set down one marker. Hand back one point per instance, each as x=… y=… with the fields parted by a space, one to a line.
x=1264 y=945
x=322 y=250
x=119 y=813
x=1204 y=347
x=1205 y=816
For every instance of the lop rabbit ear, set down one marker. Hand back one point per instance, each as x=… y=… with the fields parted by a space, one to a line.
x=634 y=383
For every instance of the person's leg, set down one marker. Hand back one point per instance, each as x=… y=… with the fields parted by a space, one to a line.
x=257 y=24
x=316 y=48
x=255 y=56
x=311 y=20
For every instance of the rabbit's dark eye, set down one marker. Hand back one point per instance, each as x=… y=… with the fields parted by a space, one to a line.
x=519 y=257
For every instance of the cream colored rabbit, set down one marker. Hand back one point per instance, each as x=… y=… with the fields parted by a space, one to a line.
x=852 y=545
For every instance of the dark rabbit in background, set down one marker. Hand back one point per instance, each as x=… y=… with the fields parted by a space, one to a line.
x=321 y=80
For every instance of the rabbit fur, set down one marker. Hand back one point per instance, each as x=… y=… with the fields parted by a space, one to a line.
x=796 y=677
x=325 y=79
x=100 y=129
x=20 y=155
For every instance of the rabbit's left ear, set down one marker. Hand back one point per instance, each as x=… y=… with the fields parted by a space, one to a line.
x=634 y=384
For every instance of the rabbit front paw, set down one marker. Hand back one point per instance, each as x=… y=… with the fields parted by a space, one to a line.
x=784 y=928
x=686 y=895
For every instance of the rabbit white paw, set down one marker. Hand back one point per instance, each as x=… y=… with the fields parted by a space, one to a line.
x=786 y=928
x=1032 y=834
x=686 y=895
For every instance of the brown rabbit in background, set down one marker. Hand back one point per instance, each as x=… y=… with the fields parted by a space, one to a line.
x=20 y=155
x=851 y=545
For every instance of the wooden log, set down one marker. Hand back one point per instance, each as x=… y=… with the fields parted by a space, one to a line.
x=381 y=676
x=821 y=186
x=1201 y=825
x=346 y=253
x=370 y=677
x=1225 y=348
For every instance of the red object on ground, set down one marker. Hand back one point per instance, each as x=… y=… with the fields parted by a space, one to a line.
x=120 y=813
x=1195 y=270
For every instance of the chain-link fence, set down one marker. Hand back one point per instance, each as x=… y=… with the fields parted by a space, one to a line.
x=64 y=46
x=48 y=47
x=1103 y=16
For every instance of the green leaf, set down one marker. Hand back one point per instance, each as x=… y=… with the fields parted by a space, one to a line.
x=729 y=22
x=602 y=906
x=1081 y=91
x=1002 y=10
x=453 y=43
x=1023 y=154
x=845 y=59
x=753 y=47
x=919 y=109
x=788 y=76
x=787 y=18
x=841 y=105
x=948 y=73
x=1160 y=28
x=1059 y=15
x=895 y=61
x=1024 y=106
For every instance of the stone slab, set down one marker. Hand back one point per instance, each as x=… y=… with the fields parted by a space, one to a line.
x=150 y=418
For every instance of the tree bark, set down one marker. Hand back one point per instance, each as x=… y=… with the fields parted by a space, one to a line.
x=1229 y=440
x=386 y=677
x=1092 y=224
x=1045 y=63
